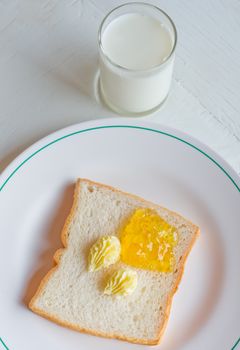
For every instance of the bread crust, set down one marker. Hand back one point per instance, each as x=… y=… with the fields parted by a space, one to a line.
x=59 y=252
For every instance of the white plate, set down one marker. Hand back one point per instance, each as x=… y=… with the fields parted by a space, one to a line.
x=155 y=162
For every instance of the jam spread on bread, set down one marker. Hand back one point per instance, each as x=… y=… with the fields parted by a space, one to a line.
x=148 y=241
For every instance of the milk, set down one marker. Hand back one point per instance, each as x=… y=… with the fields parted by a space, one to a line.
x=135 y=68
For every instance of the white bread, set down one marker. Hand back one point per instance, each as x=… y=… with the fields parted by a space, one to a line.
x=73 y=297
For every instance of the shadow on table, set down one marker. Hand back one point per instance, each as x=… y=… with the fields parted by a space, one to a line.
x=9 y=157
x=44 y=262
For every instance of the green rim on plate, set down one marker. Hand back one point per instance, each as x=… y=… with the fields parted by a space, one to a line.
x=118 y=126
x=111 y=127
x=4 y=345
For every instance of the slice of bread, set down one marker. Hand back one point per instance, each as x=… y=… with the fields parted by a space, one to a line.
x=73 y=297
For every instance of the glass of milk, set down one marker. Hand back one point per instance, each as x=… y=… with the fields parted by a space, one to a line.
x=137 y=43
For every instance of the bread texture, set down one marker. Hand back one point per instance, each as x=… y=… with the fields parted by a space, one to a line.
x=73 y=297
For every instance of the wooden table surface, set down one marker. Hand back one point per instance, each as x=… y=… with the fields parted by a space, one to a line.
x=48 y=61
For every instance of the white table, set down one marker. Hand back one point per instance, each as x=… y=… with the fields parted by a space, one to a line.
x=48 y=60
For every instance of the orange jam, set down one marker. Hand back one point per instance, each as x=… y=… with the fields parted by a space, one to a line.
x=147 y=241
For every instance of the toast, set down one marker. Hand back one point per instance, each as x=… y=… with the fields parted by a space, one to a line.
x=72 y=296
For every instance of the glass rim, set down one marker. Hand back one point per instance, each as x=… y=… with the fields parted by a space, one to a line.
x=156 y=67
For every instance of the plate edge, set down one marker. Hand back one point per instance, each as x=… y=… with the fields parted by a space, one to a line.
x=130 y=126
